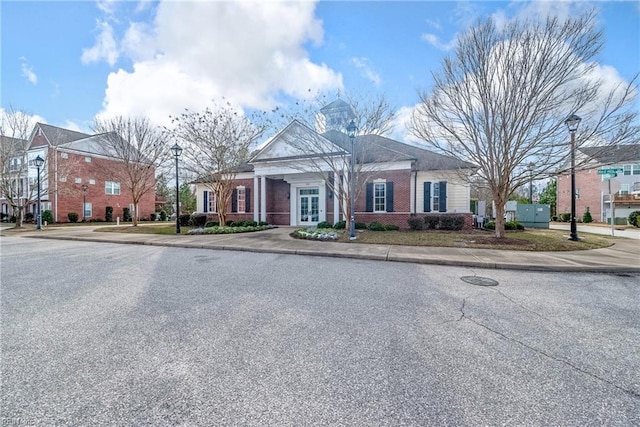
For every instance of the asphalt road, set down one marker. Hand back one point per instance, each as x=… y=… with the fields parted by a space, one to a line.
x=97 y=334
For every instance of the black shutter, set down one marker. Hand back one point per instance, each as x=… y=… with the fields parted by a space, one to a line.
x=443 y=196
x=234 y=200
x=389 y=194
x=427 y=197
x=369 y=196
x=206 y=201
x=247 y=202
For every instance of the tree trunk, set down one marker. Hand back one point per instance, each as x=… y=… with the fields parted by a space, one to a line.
x=134 y=214
x=499 y=220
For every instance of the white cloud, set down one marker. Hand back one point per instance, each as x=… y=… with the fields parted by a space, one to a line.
x=27 y=71
x=248 y=52
x=435 y=41
x=105 y=47
x=364 y=64
x=434 y=24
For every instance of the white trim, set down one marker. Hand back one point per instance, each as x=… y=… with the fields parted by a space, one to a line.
x=263 y=198
x=256 y=205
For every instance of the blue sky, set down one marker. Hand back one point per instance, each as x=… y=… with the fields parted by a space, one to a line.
x=66 y=62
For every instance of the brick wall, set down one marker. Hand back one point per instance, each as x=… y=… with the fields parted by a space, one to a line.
x=588 y=186
x=94 y=174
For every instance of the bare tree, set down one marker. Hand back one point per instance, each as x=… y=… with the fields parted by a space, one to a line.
x=216 y=142
x=502 y=100
x=329 y=156
x=139 y=147
x=16 y=187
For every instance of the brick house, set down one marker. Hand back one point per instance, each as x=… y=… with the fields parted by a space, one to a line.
x=589 y=192
x=286 y=181
x=78 y=176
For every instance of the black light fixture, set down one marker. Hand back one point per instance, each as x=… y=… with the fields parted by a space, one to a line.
x=177 y=151
x=39 y=161
x=351 y=131
x=84 y=202
x=572 y=124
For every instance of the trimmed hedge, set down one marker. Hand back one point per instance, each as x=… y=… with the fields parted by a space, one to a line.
x=634 y=218
x=508 y=225
x=451 y=222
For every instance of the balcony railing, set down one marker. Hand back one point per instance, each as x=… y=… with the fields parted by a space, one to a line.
x=624 y=198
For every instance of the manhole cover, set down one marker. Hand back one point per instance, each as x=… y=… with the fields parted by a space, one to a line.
x=479 y=281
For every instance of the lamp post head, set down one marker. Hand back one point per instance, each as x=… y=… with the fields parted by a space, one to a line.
x=84 y=187
x=176 y=150
x=531 y=166
x=572 y=123
x=351 y=129
x=38 y=161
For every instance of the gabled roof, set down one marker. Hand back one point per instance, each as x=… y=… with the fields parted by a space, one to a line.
x=624 y=153
x=378 y=149
x=296 y=141
x=57 y=136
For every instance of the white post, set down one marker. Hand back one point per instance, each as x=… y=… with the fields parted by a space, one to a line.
x=256 y=206
x=118 y=221
x=263 y=198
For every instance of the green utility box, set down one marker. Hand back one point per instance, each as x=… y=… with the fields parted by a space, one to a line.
x=533 y=216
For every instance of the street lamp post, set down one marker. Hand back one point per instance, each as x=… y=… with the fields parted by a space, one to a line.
x=177 y=150
x=39 y=161
x=351 y=131
x=530 y=166
x=572 y=124
x=84 y=201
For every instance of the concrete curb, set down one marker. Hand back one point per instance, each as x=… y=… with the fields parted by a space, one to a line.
x=362 y=255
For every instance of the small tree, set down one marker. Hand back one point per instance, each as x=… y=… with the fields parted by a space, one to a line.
x=15 y=184
x=216 y=141
x=371 y=114
x=586 y=217
x=549 y=195
x=139 y=147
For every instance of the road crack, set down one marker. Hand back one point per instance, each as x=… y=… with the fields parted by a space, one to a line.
x=463 y=316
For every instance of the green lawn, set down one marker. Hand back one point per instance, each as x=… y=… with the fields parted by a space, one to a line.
x=528 y=240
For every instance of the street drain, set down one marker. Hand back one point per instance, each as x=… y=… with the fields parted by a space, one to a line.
x=479 y=281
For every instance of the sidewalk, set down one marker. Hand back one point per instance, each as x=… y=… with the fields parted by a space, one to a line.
x=622 y=257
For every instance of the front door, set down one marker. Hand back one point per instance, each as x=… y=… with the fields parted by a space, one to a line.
x=309 y=203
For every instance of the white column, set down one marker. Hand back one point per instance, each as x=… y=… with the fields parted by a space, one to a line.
x=256 y=206
x=345 y=185
x=293 y=205
x=263 y=198
x=336 y=207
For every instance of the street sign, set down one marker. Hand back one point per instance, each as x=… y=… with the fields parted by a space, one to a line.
x=611 y=171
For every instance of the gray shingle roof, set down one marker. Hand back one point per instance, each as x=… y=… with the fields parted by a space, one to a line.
x=380 y=149
x=57 y=136
x=624 y=153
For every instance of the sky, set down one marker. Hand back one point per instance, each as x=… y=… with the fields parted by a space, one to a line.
x=66 y=63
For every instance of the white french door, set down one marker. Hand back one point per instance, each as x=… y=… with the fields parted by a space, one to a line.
x=308 y=206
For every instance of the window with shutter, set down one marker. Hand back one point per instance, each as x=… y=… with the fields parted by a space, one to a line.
x=442 y=203
x=426 y=204
x=389 y=190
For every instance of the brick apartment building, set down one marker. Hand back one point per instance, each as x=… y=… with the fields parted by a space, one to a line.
x=284 y=184
x=78 y=177
x=589 y=192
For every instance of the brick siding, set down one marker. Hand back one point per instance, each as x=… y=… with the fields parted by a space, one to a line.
x=70 y=195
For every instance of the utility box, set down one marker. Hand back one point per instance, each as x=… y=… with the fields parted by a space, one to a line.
x=534 y=216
